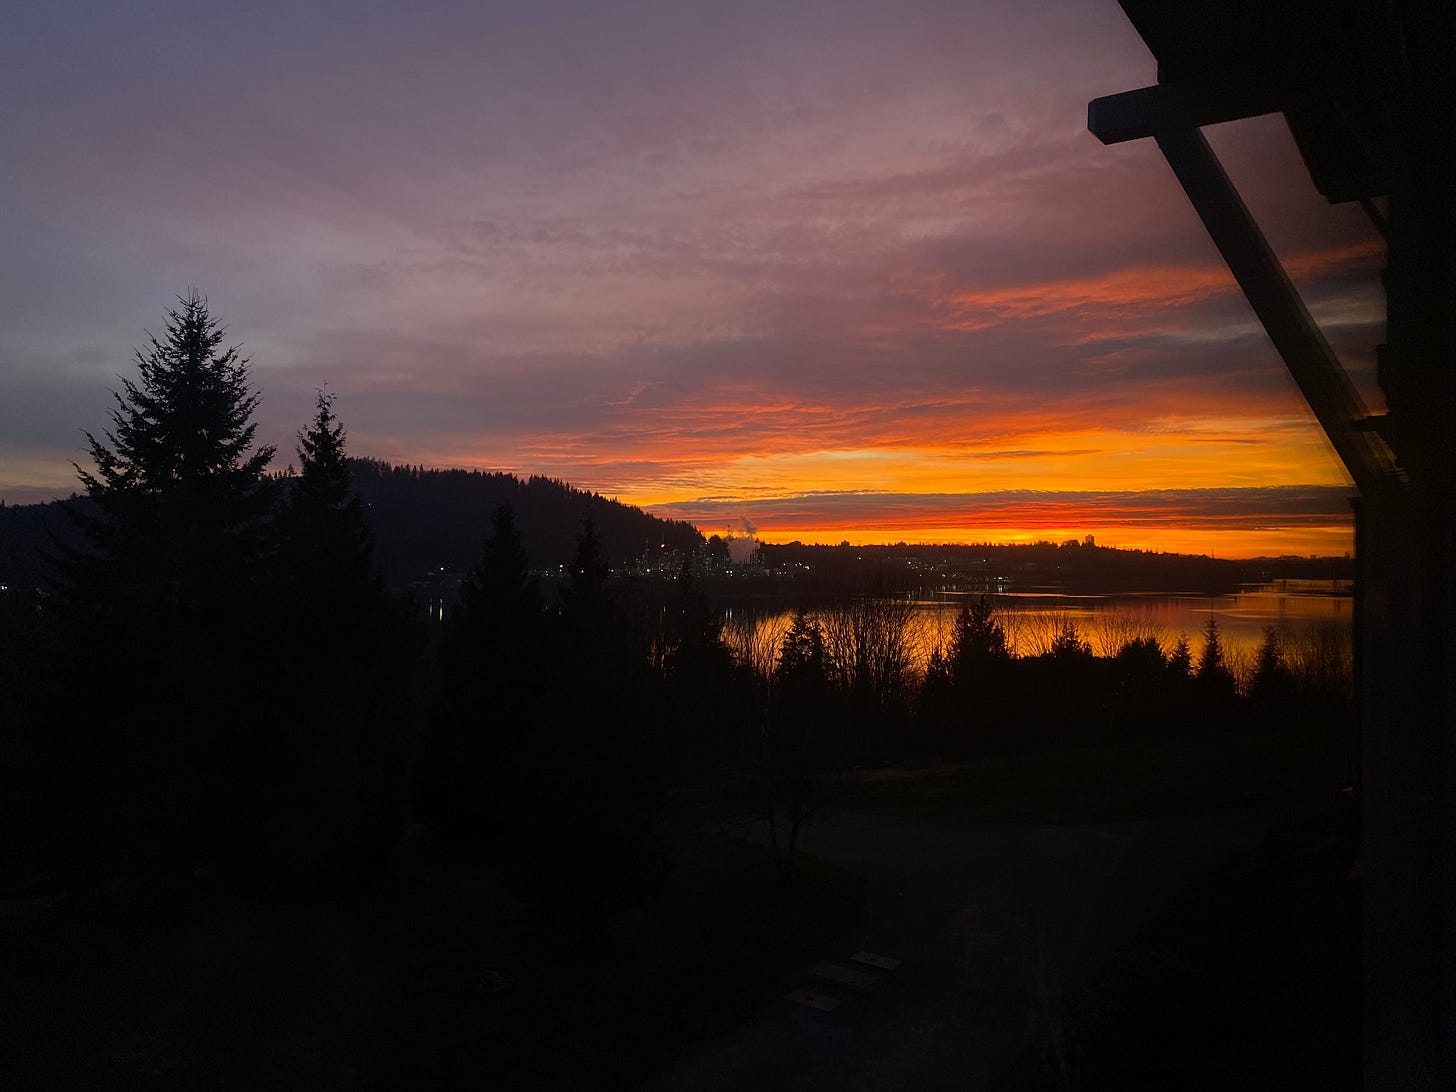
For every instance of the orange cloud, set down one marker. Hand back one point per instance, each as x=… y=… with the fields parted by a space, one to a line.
x=1302 y=520
x=1122 y=291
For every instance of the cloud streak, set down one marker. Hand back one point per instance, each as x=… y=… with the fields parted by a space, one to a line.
x=1310 y=516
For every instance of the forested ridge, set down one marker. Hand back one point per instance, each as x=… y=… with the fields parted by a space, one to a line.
x=431 y=520
x=422 y=520
x=425 y=520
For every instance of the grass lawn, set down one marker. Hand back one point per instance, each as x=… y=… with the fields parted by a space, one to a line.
x=1179 y=776
x=441 y=979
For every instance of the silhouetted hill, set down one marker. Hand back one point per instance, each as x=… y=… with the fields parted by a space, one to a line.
x=28 y=532
x=1072 y=567
x=427 y=520
x=423 y=521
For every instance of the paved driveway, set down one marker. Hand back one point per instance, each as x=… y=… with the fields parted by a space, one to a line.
x=993 y=923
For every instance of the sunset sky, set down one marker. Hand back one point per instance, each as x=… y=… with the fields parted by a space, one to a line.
x=838 y=270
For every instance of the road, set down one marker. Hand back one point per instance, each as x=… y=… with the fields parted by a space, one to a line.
x=994 y=924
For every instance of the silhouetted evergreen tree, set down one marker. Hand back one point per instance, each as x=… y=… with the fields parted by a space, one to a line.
x=801 y=739
x=1179 y=704
x=1213 y=693
x=328 y=549
x=1272 y=690
x=1066 y=691
x=1214 y=678
x=1142 y=658
x=978 y=648
x=806 y=706
x=936 y=708
x=180 y=489
x=803 y=665
x=159 y=608
x=702 y=697
x=580 y=839
x=498 y=621
x=495 y=666
x=693 y=635
x=1180 y=660
x=980 y=676
x=330 y=767
x=1139 y=702
x=1068 y=645
x=587 y=610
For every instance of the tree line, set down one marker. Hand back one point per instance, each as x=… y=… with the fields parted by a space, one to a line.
x=213 y=684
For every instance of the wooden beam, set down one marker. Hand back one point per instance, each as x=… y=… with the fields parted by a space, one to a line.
x=1309 y=357
x=1207 y=100
x=1171 y=114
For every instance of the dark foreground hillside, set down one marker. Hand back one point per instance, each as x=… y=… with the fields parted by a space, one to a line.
x=440 y=976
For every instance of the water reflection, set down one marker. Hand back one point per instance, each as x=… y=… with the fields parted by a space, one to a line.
x=1303 y=612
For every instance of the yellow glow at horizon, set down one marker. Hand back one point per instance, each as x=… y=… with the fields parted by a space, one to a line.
x=1209 y=454
x=1331 y=541
x=1163 y=452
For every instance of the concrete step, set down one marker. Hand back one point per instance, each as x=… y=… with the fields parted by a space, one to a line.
x=878 y=962
x=823 y=1000
x=860 y=981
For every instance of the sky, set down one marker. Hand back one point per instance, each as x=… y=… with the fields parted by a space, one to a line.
x=828 y=271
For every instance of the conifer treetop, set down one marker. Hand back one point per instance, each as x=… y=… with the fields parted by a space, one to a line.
x=323 y=463
x=185 y=426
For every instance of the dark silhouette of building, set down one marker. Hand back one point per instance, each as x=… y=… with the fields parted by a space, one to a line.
x=1369 y=91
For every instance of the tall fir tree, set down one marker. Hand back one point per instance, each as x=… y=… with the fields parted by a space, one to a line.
x=1272 y=687
x=804 y=704
x=321 y=527
x=803 y=660
x=978 y=649
x=179 y=487
x=494 y=666
x=1214 y=680
x=499 y=616
x=797 y=740
x=330 y=762
x=1180 y=660
x=589 y=777
x=980 y=670
x=587 y=610
x=160 y=610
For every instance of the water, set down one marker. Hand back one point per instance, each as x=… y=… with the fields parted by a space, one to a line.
x=1107 y=621
x=1305 y=613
